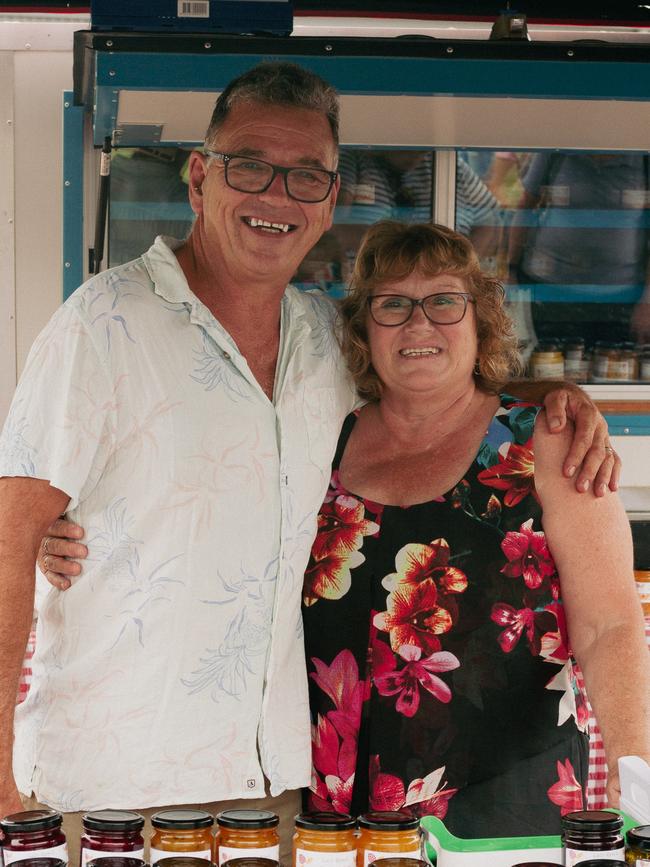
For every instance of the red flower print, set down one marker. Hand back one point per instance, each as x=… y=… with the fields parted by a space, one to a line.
x=416 y=562
x=555 y=643
x=386 y=790
x=330 y=577
x=566 y=793
x=341 y=527
x=406 y=682
x=413 y=617
x=573 y=702
x=528 y=556
x=536 y=624
x=340 y=681
x=428 y=797
x=340 y=793
x=513 y=473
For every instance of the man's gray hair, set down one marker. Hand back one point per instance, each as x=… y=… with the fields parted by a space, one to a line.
x=278 y=83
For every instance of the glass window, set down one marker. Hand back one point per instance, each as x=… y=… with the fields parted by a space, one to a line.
x=570 y=241
x=148 y=197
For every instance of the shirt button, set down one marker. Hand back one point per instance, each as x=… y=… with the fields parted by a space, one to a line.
x=226 y=355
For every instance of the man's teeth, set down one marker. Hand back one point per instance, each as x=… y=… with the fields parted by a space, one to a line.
x=264 y=224
x=425 y=350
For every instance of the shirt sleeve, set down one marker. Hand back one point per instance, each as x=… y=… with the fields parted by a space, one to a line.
x=59 y=426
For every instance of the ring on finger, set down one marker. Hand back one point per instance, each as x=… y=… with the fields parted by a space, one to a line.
x=47 y=562
x=46 y=542
x=609 y=450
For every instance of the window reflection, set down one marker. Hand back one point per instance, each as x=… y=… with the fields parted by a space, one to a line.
x=572 y=249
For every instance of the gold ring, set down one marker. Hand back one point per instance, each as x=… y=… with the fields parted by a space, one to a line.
x=46 y=542
x=47 y=562
x=609 y=449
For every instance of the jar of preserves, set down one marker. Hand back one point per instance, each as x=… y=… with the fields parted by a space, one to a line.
x=247 y=833
x=642 y=580
x=644 y=365
x=188 y=831
x=33 y=833
x=111 y=831
x=574 y=360
x=637 y=846
x=386 y=833
x=325 y=840
x=592 y=834
x=604 y=357
x=41 y=862
x=602 y=862
x=251 y=862
x=547 y=362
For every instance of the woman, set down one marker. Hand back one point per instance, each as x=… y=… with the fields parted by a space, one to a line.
x=455 y=566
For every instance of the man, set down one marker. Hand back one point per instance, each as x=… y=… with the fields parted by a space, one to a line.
x=183 y=408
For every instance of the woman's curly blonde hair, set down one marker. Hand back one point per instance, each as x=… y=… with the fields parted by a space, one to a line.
x=391 y=251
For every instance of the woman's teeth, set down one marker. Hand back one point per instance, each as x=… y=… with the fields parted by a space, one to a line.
x=425 y=350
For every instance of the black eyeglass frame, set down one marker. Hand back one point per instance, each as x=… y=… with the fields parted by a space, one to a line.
x=277 y=170
x=419 y=302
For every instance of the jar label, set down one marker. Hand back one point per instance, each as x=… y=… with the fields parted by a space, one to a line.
x=88 y=854
x=371 y=855
x=575 y=856
x=305 y=857
x=228 y=852
x=10 y=855
x=156 y=854
x=640 y=862
x=548 y=369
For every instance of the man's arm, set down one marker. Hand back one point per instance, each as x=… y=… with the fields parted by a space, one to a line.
x=590 y=452
x=27 y=508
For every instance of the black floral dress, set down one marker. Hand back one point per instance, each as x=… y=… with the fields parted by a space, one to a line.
x=441 y=678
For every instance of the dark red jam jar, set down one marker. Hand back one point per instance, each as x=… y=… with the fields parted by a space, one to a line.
x=35 y=831
x=111 y=831
x=42 y=862
x=588 y=835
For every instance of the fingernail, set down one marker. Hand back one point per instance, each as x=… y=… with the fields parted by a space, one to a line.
x=601 y=490
x=554 y=422
x=571 y=471
x=584 y=486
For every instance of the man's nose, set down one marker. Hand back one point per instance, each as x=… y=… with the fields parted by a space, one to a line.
x=277 y=188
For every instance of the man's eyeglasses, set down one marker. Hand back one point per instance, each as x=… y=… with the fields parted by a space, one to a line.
x=250 y=175
x=442 y=308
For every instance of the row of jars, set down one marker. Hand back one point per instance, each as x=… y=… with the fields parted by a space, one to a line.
x=603 y=363
x=251 y=833
x=249 y=838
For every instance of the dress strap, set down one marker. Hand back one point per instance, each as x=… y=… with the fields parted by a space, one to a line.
x=344 y=436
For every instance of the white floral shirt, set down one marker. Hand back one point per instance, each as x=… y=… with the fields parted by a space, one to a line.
x=173 y=670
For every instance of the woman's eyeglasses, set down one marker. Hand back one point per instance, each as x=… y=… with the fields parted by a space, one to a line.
x=441 y=308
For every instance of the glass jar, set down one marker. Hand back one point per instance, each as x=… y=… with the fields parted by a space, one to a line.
x=602 y=862
x=325 y=840
x=385 y=833
x=547 y=362
x=106 y=831
x=637 y=846
x=592 y=834
x=247 y=833
x=251 y=862
x=405 y=862
x=644 y=366
x=35 y=831
x=537 y=864
x=574 y=360
x=188 y=831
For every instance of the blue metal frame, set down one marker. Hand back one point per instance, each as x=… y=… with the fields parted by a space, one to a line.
x=389 y=75
x=73 y=175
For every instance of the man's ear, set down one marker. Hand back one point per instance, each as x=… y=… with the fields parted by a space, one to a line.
x=196 y=174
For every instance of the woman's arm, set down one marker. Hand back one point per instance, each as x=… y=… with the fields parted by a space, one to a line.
x=591 y=543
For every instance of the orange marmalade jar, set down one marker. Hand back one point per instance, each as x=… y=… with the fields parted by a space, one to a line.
x=324 y=840
x=385 y=833
x=247 y=833
x=187 y=831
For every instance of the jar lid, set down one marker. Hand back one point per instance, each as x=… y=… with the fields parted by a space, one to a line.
x=118 y=861
x=182 y=820
x=183 y=861
x=389 y=820
x=397 y=861
x=244 y=819
x=323 y=821
x=639 y=837
x=592 y=820
x=42 y=862
x=601 y=862
x=251 y=861
x=31 y=820
x=113 y=820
